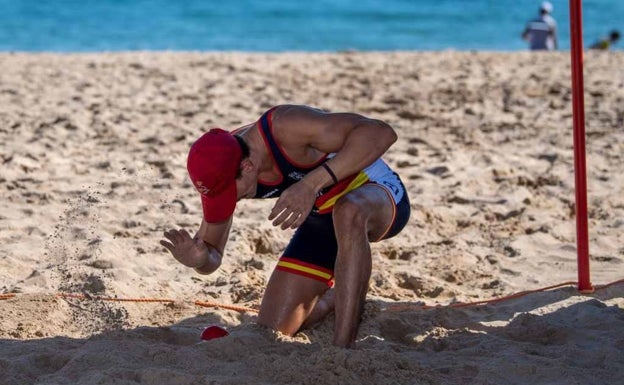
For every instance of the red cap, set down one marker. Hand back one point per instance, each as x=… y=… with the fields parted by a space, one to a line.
x=212 y=332
x=213 y=163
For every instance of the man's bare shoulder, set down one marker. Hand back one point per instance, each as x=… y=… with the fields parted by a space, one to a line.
x=296 y=124
x=289 y=113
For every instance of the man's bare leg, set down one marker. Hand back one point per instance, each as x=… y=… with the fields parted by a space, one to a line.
x=361 y=215
x=352 y=275
x=288 y=301
x=324 y=306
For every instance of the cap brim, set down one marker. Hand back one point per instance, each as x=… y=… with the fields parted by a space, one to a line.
x=220 y=207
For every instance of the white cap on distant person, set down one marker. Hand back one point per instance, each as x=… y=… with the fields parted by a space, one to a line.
x=546 y=6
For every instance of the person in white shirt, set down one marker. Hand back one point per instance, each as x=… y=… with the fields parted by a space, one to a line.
x=541 y=32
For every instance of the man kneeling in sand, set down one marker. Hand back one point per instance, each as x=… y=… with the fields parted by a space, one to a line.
x=333 y=187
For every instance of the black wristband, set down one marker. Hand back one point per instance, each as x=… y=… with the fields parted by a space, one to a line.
x=330 y=172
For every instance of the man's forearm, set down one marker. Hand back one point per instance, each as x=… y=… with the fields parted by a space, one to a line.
x=213 y=260
x=365 y=144
x=214 y=236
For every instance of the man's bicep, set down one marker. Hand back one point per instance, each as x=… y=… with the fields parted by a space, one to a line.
x=324 y=131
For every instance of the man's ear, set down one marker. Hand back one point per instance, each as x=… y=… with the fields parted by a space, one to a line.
x=246 y=165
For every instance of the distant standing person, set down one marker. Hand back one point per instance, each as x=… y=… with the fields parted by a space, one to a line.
x=541 y=32
x=606 y=42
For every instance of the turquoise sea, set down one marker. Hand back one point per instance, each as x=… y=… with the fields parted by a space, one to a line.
x=282 y=25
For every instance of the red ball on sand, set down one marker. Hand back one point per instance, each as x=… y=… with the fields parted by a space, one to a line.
x=212 y=332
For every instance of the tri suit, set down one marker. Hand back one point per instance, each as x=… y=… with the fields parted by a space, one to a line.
x=313 y=247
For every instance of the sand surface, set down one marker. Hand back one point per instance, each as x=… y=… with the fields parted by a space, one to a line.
x=92 y=171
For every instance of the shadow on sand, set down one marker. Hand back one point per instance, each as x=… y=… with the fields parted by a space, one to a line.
x=554 y=337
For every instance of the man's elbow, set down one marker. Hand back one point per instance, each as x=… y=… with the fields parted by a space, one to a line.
x=379 y=133
x=207 y=269
x=389 y=134
x=394 y=136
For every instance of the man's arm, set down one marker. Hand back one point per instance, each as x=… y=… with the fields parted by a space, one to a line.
x=357 y=140
x=204 y=251
x=525 y=33
x=214 y=236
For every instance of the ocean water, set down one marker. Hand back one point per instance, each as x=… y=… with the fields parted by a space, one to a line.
x=287 y=25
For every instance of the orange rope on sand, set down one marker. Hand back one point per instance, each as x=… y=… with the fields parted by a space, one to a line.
x=511 y=296
x=82 y=296
x=391 y=308
x=240 y=309
x=404 y=307
x=609 y=284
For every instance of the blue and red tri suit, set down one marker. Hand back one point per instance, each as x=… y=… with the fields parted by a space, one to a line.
x=313 y=247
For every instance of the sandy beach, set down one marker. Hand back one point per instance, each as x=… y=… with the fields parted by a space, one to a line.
x=93 y=170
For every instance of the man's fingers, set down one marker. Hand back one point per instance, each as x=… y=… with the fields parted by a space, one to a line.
x=289 y=212
x=288 y=218
x=169 y=235
x=299 y=221
x=185 y=235
x=177 y=236
x=173 y=236
x=277 y=209
x=290 y=221
x=168 y=245
x=281 y=218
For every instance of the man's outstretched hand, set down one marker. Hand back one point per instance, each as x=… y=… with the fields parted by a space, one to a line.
x=188 y=251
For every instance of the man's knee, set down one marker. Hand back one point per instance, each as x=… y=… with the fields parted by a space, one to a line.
x=350 y=213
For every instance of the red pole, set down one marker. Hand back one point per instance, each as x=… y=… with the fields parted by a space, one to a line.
x=578 y=114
